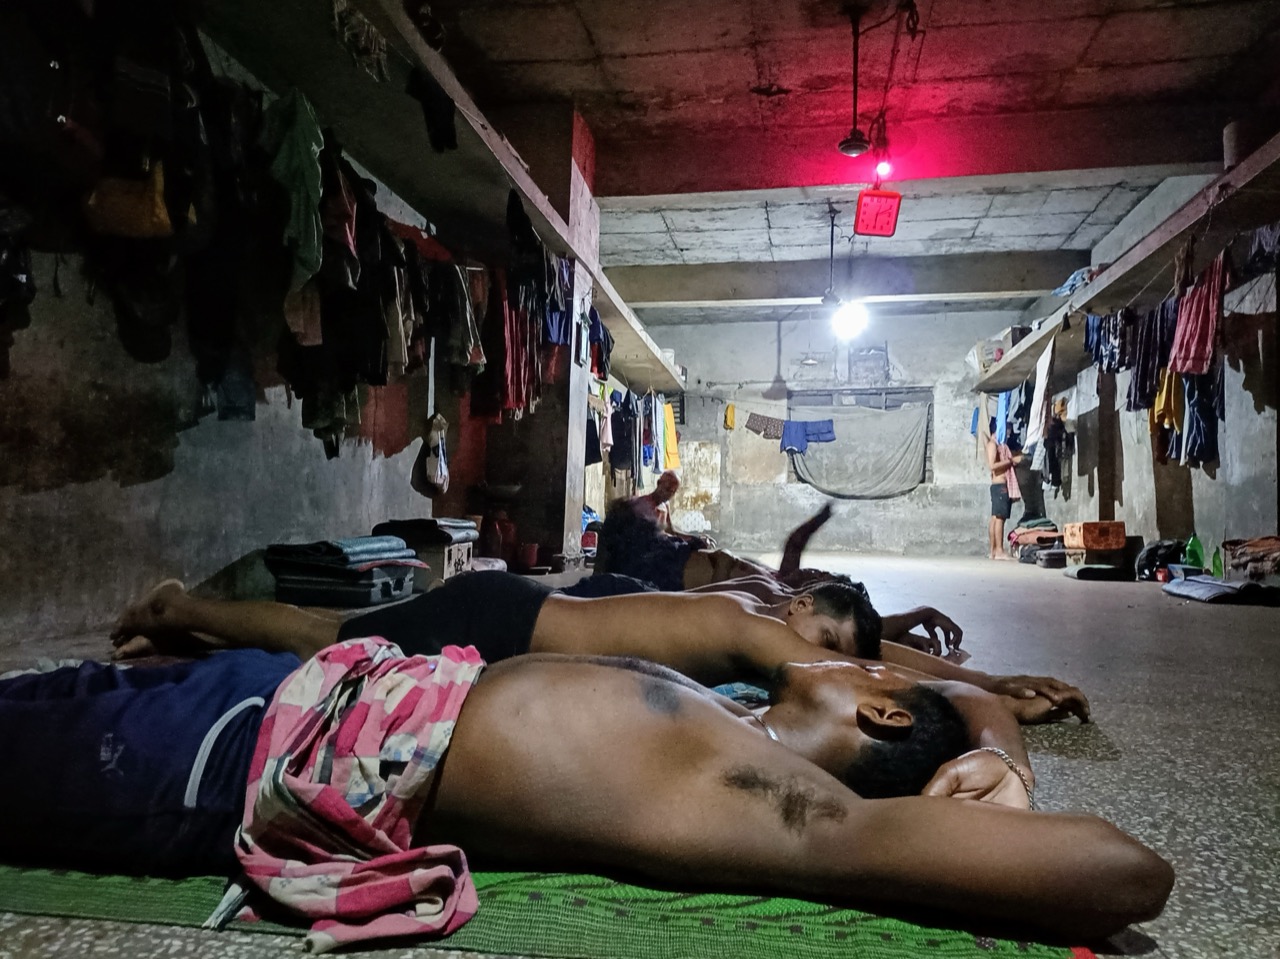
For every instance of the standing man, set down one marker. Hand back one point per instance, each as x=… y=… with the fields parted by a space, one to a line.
x=1004 y=490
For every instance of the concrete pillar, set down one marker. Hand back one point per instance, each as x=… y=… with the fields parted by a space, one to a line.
x=546 y=453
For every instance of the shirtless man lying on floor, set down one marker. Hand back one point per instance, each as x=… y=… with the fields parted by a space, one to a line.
x=715 y=638
x=368 y=774
x=637 y=541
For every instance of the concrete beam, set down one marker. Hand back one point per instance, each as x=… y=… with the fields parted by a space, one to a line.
x=885 y=279
x=751 y=158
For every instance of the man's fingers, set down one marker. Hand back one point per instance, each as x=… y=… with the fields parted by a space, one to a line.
x=945 y=782
x=1077 y=705
x=133 y=648
x=935 y=640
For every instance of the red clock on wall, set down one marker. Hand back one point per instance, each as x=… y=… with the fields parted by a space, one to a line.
x=877 y=213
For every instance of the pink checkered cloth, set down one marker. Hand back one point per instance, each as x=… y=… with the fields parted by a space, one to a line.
x=324 y=833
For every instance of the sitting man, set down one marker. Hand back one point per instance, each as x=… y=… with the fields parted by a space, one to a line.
x=711 y=638
x=369 y=774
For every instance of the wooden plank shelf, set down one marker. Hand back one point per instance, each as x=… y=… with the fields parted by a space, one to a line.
x=1019 y=364
x=1242 y=199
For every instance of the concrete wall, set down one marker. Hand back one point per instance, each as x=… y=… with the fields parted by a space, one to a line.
x=737 y=484
x=109 y=484
x=1236 y=498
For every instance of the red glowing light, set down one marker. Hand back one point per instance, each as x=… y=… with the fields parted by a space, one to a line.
x=883 y=168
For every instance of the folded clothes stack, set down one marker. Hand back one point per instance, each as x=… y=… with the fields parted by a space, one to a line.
x=345 y=573
x=443 y=543
x=422 y=533
x=1033 y=535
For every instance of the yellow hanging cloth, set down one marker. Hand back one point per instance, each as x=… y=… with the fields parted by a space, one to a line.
x=1169 y=408
x=670 y=454
x=728 y=416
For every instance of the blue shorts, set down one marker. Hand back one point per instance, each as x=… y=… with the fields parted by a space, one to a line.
x=140 y=770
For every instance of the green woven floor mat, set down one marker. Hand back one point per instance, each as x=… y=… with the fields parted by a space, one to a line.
x=556 y=916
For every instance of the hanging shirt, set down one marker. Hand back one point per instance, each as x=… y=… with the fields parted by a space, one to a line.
x=1199 y=316
x=346 y=756
x=729 y=414
x=291 y=134
x=1153 y=342
x=1038 y=411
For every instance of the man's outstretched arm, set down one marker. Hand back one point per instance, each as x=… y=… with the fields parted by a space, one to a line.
x=679 y=793
x=1072 y=876
x=1031 y=698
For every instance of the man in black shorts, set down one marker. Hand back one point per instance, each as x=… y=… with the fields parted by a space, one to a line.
x=711 y=637
x=1000 y=460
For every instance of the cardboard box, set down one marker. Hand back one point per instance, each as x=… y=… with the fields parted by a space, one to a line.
x=1103 y=535
x=445 y=560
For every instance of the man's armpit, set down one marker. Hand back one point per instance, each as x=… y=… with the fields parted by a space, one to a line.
x=795 y=801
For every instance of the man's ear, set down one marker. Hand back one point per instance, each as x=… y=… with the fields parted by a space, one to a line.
x=884 y=719
x=801 y=604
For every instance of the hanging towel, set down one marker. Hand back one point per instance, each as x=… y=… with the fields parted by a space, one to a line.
x=1011 y=474
x=670 y=454
x=729 y=412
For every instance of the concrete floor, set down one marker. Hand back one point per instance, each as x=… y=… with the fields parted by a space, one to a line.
x=1183 y=749
x=1182 y=753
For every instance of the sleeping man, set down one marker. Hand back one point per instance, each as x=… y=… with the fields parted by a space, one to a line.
x=365 y=783
x=715 y=638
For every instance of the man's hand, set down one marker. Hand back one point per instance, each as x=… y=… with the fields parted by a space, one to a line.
x=1039 y=710
x=925 y=644
x=982 y=776
x=941 y=629
x=1021 y=692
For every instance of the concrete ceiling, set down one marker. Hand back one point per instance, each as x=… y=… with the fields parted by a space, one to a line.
x=974 y=214
x=743 y=94
x=1021 y=134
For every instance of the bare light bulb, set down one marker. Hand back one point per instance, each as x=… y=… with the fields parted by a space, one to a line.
x=849 y=320
x=883 y=168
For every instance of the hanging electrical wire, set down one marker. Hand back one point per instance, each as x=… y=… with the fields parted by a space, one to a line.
x=906 y=18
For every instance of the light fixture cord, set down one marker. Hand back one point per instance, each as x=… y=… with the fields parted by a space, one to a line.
x=831 y=253
x=855 y=20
